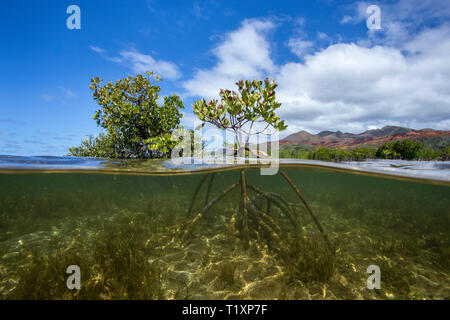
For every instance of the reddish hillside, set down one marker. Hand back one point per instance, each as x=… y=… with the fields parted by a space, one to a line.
x=372 y=138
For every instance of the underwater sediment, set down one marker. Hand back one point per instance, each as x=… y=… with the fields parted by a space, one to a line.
x=137 y=236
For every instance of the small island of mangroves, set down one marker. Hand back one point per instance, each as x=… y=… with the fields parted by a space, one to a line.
x=183 y=236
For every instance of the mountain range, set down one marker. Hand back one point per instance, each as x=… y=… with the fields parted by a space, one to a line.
x=370 y=138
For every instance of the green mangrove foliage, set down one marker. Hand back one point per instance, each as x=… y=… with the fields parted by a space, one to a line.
x=136 y=125
x=102 y=146
x=404 y=150
x=239 y=112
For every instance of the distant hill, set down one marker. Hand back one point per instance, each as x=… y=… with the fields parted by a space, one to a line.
x=369 y=138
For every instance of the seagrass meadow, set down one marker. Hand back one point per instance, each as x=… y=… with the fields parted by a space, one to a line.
x=202 y=235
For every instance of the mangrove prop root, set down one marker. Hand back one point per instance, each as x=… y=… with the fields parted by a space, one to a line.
x=232 y=223
x=277 y=199
x=268 y=219
x=209 y=187
x=313 y=216
x=258 y=236
x=245 y=236
x=257 y=204
x=280 y=202
x=197 y=189
x=188 y=228
x=190 y=225
x=274 y=236
x=283 y=202
x=268 y=230
x=219 y=197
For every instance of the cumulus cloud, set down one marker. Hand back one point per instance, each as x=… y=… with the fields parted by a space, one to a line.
x=344 y=86
x=244 y=53
x=349 y=87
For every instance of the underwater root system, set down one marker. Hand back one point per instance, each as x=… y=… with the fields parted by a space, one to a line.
x=253 y=220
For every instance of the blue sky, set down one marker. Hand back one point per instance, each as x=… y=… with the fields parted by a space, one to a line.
x=333 y=72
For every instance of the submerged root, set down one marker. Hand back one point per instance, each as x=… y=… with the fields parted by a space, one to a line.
x=187 y=228
x=197 y=189
x=311 y=213
x=184 y=232
x=281 y=203
x=262 y=224
x=245 y=236
x=213 y=175
x=265 y=217
x=271 y=237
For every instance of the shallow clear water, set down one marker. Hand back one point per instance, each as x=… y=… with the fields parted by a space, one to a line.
x=132 y=237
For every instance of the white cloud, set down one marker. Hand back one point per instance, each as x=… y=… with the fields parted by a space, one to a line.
x=201 y=9
x=140 y=62
x=322 y=36
x=97 y=49
x=344 y=86
x=400 y=19
x=300 y=47
x=244 y=53
x=349 y=87
x=300 y=21
x=359 y=13
x=346 y=19
x=189 y=120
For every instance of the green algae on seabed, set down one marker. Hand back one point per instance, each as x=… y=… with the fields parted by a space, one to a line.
x=122 y=232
